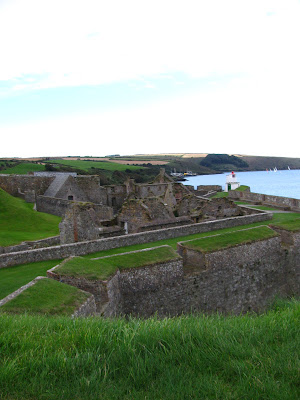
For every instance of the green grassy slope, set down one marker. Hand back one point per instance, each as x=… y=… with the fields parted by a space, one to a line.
x=12 y=278
x=224 y=241
x=23 y=168
x=106 y=267
x=190 y=357
x=87 y=165
x=19 y=222
x=47 y=296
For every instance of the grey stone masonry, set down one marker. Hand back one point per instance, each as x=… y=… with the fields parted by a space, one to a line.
x=81 y=248
x=265 y=199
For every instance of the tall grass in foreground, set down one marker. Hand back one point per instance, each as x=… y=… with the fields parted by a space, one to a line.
x=190 y=357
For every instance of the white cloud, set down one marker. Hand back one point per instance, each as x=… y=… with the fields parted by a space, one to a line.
x=54 y=43
x=244 y=122
x=70 y=42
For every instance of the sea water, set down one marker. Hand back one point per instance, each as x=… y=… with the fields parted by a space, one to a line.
x=284 y=183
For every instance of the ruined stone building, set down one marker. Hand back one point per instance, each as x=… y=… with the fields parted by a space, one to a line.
x=90 y=210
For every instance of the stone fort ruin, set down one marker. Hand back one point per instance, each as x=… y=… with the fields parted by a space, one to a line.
x=91 y=211
x=244 y=277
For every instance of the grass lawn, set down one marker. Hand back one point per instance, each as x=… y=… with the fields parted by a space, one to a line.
x=23 y=168
x=226 y=240
x=292 y=225
x=189 y=357
x=19 y=222
x=105 y=267
x=46 y=296
x=87 y=165
x=12 y=278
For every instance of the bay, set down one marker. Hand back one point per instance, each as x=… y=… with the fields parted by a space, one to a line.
x=284 y=183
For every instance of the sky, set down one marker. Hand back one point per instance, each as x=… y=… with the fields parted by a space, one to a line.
x=98 y=77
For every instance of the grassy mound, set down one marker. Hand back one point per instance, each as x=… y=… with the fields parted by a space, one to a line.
x=103 y=268
x=48 y=297
x=19 y=222
x=191 y=357
x=222 y=241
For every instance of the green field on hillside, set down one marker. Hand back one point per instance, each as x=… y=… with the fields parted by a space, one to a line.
x=189 y=357
x=23 y=168
x=89 y=165
x=19 y=222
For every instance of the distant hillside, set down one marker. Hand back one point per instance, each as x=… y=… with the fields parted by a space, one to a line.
x=224 y=162
x=257 y=163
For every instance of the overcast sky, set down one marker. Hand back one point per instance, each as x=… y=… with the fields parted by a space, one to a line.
x=98 y=77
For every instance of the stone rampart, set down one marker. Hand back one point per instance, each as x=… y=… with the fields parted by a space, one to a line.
x=81 y=248
x=265 y=199
x=245 y=277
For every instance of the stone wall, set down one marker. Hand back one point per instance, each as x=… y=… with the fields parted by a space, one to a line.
x=82 y=220
x=242 y=278
x=208 y=188
x=239 y=279
x=28 y=245
x=15 y=185
x=277 y=201
x=146 y=291
x=52 y=205
x=81 y=248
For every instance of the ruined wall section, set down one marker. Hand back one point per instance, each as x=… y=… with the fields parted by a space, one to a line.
x=138 y=213
x=206 y=209
x=82 y=221
x=16 y=185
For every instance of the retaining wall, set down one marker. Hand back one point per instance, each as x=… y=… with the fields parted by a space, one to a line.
x=277 y=201
x=242 y=278
x=28 y=245
x=82 y=248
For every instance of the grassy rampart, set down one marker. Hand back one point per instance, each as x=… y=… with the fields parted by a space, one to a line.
x=105 y=267
x=226 y=240
x=46 y=297
x=13 y=277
